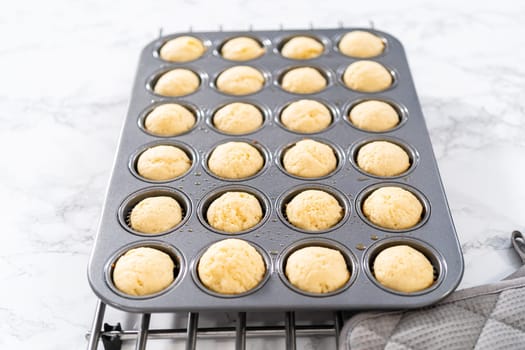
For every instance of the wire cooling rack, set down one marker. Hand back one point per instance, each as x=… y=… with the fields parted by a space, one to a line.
x=288 y=325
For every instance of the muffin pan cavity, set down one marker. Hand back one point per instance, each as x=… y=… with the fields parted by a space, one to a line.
x=196 y=112
x=337 y=153
x=129 y=203
x=413 y=156
x=438 y=263
x=264 y=111
x=288 y=196
x=304 y=80
x=268 y=272
x=325 y=203
x=177 y=258
x=190 y=153
x=402 y=114
x=361 y=198
x=205 y=203
x=350 y=260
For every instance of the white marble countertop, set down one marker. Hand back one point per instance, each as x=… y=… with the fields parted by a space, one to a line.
x=66 y=70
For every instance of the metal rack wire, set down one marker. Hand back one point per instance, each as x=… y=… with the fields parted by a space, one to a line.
x=112 y=337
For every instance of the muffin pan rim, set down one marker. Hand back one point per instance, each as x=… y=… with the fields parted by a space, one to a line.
x=374 y=249
x=126 y=206
x=323 y=242
x=215 y=193
x=194 y=264
x=150 y=243
x=190 y=152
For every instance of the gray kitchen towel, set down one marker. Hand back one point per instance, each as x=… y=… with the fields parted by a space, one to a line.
x=487 y=317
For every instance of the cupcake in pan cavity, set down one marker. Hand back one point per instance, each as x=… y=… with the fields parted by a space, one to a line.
x=404 y=269
x=182 y=49
x=155 y=215
x=317 y=269
x=367 y=76
x=306 y=116
x=302 y=48
x=154 y=211
x=313 y=210
x=231 y=267
x=374 y=115
x=382 y=158
x=240 y=80
x=361 y=44
x=169 y=119
x=177 y=82
x=143 y=271
x=163 y=163
x=235 y=160
x=234 y=212
x=309 y=159
x=242 y=48
x=404 y=265
x=393 y=207
x=238 y=118
x=303 y=80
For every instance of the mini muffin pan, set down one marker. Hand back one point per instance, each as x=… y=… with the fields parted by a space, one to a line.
x=358 y=240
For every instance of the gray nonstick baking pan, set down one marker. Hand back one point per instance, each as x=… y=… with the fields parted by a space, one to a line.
x=357 y=239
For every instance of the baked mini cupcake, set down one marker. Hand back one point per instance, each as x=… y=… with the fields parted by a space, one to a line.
x=306 y=116
x=231 y=266
x=361 y=44
x=163 y=162
x=367 y=76
x=242 y=49
x=155 y=215
x=240 y=80
x=374 y=115
x=302 y=48
x=383 y=158
x=182 y=49
x=238 y=118
x=143 y=271
x=393 y=208
x=235 y=160
x=317 y=269
x=314 y=210
x=310 y=159
x=404 y=269
x=169 y=119
x=177 y=82
x=303 y=80
x=234 y=212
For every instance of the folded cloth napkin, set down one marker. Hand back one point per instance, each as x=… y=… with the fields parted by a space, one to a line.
x=487 y=317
